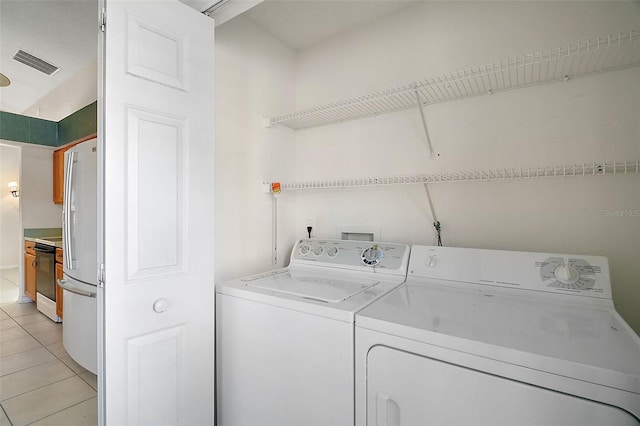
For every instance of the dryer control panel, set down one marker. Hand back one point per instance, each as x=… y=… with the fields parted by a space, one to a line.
x=385 y=257
x=554 y=273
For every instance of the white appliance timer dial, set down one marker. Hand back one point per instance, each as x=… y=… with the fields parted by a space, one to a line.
x=317 y=250
x=566 y=274
x=569 y=274
x=372 y=255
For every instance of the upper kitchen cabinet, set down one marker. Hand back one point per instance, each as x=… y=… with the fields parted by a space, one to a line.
x=58 y=168
x=58 y=175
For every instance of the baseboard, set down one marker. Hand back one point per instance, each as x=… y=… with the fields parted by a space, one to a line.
x=9 y=267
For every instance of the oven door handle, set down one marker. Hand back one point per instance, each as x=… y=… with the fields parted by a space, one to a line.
x=44 y=249
x=66 y=286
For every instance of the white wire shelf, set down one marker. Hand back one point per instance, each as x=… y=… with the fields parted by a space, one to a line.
x=592 y=56
x=591 y=169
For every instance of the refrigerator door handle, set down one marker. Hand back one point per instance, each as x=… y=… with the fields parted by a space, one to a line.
x=68 y=249
x=63 y=283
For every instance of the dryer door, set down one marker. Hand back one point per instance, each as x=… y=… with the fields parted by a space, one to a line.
x=408 y=389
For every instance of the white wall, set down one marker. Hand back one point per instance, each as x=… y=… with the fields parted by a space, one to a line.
x=36 y=189
x=584 y=120
x=79 y=90
x=590 y=119
x=254 y=74
x=9 y=207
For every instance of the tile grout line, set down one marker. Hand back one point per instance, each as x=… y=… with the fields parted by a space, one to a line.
x=53 y=414
x=5 y=414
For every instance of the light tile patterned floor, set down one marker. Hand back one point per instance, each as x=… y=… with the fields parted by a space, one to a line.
x=39 y=382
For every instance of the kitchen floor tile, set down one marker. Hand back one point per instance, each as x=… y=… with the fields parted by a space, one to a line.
x=18 y=345
x=47 y=332
x=58 y=350
x=7 y=323
x=45 y=401
x=4 y=420
x=83 y=414
x=90 y=378
x=20 y=309
x=8 y=292
x=27 y=359
x=10 y=274
x=30 y=319
x=27 y=368
x=12 y=334
x=33 y=378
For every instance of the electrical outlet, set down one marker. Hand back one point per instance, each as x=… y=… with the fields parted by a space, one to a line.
x=312 y=223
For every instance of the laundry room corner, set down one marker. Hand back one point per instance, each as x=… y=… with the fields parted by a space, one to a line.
x=569 y=122
x=254 y=74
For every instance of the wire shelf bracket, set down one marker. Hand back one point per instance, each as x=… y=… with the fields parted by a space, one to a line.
x=601 y=54
x=573 y=170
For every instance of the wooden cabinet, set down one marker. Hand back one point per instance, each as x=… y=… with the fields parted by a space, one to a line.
x=58 y=168
x=30 y=270
x=58 y=175
x=59 y=274
x=59 y=256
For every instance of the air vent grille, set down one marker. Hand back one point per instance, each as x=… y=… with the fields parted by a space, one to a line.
x=35 y=62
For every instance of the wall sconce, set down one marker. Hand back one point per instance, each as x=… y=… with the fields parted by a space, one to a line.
x=13 y=187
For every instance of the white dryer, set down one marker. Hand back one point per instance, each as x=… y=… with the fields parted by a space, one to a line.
x=497 y=338
x=285 y=338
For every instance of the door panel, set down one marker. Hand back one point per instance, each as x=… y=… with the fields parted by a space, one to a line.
x=157 y=226
x=409 y=389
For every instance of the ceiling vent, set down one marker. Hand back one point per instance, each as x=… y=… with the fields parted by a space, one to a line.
x=34 y=62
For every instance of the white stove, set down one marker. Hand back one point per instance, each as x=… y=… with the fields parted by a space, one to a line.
x=285 y=338
x=496 y=337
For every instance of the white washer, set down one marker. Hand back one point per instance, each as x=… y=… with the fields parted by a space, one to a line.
x=285 y=338
x=495 y=337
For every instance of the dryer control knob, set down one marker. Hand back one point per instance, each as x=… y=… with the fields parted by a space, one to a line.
x=431 y=261
x=332 y=251
x=317 y=250
x=566 y=274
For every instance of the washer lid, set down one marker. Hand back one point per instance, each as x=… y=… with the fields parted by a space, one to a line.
x=545 y=332
x=327 y=288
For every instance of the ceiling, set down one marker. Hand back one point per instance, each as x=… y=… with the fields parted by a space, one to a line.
x=64 y=33
x=302 y=23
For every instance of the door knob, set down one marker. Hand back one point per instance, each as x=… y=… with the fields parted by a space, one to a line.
x=160 y=305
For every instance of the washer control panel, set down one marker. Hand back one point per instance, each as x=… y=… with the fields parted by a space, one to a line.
x=553 y=273
x=354 y=254
x=568 y=272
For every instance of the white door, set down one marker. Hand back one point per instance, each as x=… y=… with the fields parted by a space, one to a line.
x=156 y=169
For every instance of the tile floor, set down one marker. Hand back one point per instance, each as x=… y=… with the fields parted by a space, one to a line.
x=39 y=382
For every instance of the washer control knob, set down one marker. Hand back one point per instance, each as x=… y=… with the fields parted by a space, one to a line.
x=372 y=255
x=317 y=250
x=304 y=250
x=431 y=261
x=160 y=305
x=566 y=274
x=332 y=251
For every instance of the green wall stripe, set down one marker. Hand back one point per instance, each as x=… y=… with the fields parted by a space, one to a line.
x=20 y=128
x=81 y=123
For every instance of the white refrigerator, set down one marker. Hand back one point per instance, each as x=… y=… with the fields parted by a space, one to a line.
x=80 y=241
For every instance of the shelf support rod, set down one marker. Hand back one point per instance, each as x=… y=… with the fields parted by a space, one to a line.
x=424 y=123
